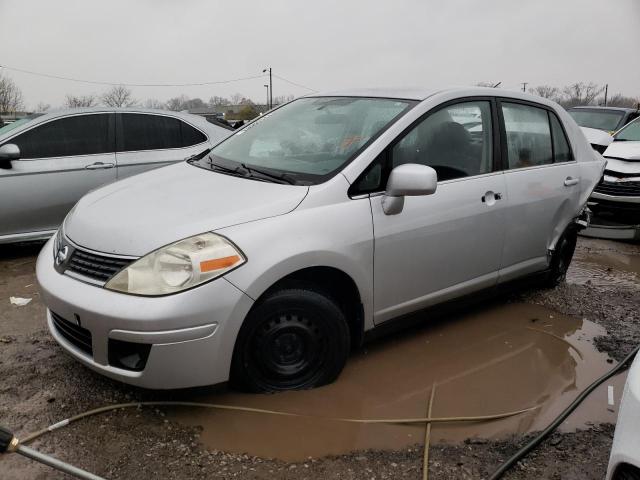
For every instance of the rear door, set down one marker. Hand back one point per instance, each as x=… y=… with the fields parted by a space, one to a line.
x=61 y=160
x=146 y=141
x=450 y=243
x=542 y=180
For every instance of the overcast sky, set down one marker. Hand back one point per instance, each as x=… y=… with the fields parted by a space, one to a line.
x=323 y=44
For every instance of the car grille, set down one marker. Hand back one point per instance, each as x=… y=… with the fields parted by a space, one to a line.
x=621 y=189
x=97 y=267
x=74 y=334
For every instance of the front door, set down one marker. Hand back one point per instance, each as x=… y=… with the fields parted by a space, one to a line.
x=61 y=160
x=449 y=243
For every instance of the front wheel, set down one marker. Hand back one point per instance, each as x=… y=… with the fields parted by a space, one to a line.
x=292 y=339
x=561 y=258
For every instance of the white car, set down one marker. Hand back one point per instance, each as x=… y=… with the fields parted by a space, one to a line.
x=615 y=202
x=624 y=463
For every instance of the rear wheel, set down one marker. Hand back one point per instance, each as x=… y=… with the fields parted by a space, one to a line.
x=561 y=258
x=292 y=339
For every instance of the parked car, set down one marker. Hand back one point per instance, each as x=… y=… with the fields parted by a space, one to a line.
x=266 y=259
x=609 y=119
x=48 y=161
x=624 y=463
x=615 y=202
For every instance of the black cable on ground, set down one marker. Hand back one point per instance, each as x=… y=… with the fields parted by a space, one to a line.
x=520 y=454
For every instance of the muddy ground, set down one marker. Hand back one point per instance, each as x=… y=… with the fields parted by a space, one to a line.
x=40 y=385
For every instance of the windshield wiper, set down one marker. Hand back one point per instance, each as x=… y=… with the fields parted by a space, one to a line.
x=280 y=177
x=197 y=156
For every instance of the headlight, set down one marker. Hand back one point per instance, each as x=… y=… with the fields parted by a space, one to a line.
x=178 y=266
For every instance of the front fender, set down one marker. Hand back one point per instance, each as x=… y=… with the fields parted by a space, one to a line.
x=338 y=235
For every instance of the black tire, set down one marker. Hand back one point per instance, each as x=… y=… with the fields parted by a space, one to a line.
x=292 y=339
x=561 y=259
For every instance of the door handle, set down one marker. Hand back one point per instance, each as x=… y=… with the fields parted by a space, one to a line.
x=490 y=197
x=569 y=181
x=99 y=166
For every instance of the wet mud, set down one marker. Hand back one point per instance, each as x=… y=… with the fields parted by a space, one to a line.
x=496 y=359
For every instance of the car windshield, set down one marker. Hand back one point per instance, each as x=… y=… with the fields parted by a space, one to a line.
x=307 y=140
x=607 y=120
x=630 y=133
x=10 y=126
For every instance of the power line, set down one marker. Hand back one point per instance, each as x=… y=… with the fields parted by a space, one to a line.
x=93 y=82
x=294 y=83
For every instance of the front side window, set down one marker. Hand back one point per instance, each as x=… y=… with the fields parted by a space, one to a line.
x=311 y=138
x=65 y=137
x=630 y=133
x=456 y=141
x=528 y=135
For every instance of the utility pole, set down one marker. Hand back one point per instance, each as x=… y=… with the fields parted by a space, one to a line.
x=524 y=86
x=606 y=94
x=270 y=87
x=267 y=104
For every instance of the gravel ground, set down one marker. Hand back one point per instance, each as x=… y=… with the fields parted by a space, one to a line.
x=41 y=385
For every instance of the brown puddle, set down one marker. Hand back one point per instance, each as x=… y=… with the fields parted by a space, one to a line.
x=492 y=360
x=605 y=269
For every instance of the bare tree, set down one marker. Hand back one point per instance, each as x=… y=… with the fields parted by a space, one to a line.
x=236 y=98
x=580 y=93
x=42 y=107
x=279 y=100
x=154 y=103
x=11 y=99
x=177 y=103
x=546 y=91
x=73 y=101
x=217 y=101
x=118 y=96
x=620 y=100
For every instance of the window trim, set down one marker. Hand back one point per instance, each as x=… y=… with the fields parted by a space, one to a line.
x=496 y=143
x=111 y=134
x=503 y=133
x=119 y=133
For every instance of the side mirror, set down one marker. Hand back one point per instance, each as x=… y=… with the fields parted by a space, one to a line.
x=8 y=152
x=409 y=180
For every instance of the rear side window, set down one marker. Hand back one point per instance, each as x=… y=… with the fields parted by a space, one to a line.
x=65 y=137
x=561 y=149
x=528 y=135
x=156 y=132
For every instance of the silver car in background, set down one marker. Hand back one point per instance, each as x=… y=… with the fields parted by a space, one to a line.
x=266 y=259
x=48 y=161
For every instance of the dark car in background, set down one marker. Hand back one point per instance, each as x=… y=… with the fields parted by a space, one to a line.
x=609 y=119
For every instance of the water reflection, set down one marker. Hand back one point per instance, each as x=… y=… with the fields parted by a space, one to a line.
x=496 y=359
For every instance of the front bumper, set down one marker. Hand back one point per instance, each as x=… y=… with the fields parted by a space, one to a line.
x=192 y=333
x=626 y=441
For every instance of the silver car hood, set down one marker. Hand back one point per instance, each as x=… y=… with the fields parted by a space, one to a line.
x=142 y=213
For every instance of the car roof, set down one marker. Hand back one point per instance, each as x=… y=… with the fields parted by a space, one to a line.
x=599 y=108
x=195 y=120
x=420 y=93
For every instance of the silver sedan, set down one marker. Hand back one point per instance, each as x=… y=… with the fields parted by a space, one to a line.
x=266 y=259
x=49 y=161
